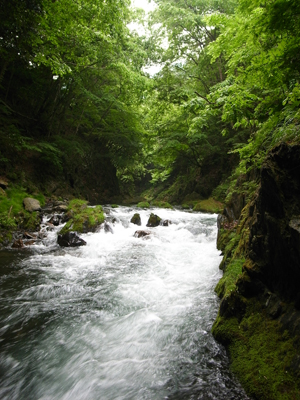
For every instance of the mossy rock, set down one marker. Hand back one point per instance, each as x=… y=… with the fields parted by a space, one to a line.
x=161 y=204
x=83 y=219
x=210 y=205
x=143 y=204
x=136 y=219
x=154 y=220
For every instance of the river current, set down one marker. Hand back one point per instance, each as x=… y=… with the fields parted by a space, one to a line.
x=122 y=318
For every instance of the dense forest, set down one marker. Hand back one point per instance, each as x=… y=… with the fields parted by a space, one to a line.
x=77 y=108
x=81 y=117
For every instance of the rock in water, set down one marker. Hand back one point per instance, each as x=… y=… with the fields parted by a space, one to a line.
x=154 y=220
x=70 y=239
x=31 y=204
x=136 y=219
x=140 y=234
x=108 y=228
x=18 y=244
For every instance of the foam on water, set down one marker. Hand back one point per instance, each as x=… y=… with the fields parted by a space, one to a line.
x=120 y=318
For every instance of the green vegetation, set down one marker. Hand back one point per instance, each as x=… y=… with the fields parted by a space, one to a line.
x=82 y=217
x=161 y=204
x=261 y=354
x=78 y=113
x=143 y=204
x=12 y=213
x=209 y=205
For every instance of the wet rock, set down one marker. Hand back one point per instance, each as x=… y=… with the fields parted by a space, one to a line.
x=274 y=306
x=166 y=222
x=67 y=216
x=108 y=228
x=274 y=240
x=18 y=244
x=70 y=239
x=31 y=205
x=136 y=219
x=27 y=235
x=154 y=220
x=140 y=234
x=55 y=220
x=29 y=242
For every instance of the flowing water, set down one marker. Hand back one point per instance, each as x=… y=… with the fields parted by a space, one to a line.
x=120 y=318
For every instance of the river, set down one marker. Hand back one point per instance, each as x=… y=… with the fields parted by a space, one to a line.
x=122 y=318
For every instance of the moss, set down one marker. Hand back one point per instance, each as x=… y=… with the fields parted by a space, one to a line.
x=261 y=353
x=143 y=204
x=83 y=218
x=227 y=283
x=114 y=205
x=12 y=202
x=161 y=204
x=209 y=205
x=185 y=206
x=29 y=221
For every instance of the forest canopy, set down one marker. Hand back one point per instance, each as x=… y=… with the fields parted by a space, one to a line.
x=76 y=103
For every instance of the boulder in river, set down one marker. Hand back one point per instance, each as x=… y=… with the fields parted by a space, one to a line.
x=70 y=239
x=136 y=219
x=154 y=220
x=18 y=244
x=108 y=228
x=166 y=222
x=140 y=234
x=31 y=204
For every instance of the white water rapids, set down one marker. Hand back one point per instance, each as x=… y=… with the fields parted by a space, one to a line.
x=122 y=318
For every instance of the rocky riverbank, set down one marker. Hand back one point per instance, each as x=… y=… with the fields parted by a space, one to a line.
x=259 y=316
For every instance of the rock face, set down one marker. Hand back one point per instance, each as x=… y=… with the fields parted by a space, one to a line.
x=70 y=239
x=274 y=240
x=154 y=220
x=31 y=205
x=259 y=315
x=136 y=219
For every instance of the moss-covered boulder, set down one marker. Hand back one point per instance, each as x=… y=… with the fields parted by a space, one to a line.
x=82 y=218
x=209 y=205
x=136 y=219
x=161 y=204
x=143 y=204
x=154 y=220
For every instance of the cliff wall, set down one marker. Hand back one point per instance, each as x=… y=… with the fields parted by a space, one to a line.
x=259 y=317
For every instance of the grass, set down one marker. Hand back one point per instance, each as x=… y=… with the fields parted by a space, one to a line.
x=12 y=213
x=13 y=200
